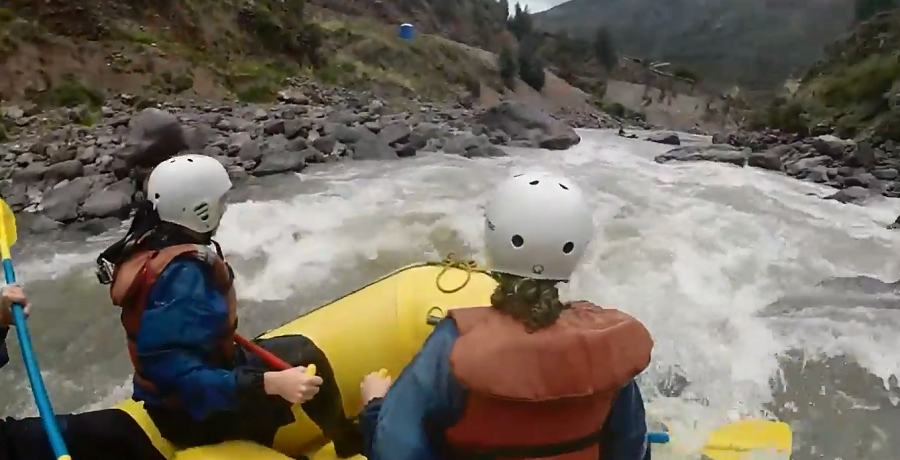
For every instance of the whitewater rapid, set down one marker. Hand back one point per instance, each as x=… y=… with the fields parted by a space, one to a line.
x=694 y=250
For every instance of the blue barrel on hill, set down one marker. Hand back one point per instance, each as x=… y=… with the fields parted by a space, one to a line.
x=406 y=31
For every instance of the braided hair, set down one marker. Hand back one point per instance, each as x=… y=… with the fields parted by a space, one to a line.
x=534 y=302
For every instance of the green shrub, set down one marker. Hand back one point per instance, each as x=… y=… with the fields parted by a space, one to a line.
x=509 y=67
x=869 y=80
x=531 y=68
x=69 y=93
x=615 y=109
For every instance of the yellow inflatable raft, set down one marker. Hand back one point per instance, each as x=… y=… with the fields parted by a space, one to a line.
x=380 y=326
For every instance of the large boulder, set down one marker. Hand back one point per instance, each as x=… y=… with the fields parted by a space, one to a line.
x=523 y=122
x=155 y=136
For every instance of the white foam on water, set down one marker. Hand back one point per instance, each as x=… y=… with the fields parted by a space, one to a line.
x=693 y=250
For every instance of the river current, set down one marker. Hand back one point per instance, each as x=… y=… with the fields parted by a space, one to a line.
x=694 y=250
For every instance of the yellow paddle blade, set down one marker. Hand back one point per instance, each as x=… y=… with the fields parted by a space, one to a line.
x=7 y=229
x=310 y=370
x=742 y=440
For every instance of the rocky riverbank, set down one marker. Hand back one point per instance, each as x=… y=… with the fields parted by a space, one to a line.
x=858 y=170
x=87 y=175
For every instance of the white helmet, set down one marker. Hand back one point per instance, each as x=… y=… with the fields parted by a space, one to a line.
x=537 y=225
x=188 y=190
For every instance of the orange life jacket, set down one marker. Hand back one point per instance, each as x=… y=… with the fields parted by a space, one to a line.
x=130 y=290
x=544 y=394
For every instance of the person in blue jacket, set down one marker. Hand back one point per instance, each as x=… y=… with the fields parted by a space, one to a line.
x=529 y=376
x=179 y=312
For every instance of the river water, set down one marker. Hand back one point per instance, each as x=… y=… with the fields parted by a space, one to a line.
x=695 y=251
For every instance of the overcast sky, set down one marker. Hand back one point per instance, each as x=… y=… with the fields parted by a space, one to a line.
x=536 y=5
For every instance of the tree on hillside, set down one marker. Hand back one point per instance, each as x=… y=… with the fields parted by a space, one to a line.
x=504 y=7
x=865 y=9
x=445 y=10
x=509 y=67
x=531 y=68
x=604 y=50
x=520 y=24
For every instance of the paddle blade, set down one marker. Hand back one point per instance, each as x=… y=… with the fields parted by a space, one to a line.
x=7 y=227
x=735 y=441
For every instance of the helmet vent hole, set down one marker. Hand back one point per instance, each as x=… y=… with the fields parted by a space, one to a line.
x=157 y=196
x=202 y=211
x=563 y=187
x=190 y=160
x=534 y=182
x=568 y=247
x=517 y=241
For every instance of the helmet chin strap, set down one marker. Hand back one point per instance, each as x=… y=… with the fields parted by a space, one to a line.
x=218 y=247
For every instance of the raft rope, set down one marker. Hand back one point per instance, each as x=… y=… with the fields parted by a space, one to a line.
x=451 y=262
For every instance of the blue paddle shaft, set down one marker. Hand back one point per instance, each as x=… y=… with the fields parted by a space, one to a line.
x=658 y=437
x=48 y=417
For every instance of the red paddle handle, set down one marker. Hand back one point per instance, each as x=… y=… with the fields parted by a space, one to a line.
x=268 y=357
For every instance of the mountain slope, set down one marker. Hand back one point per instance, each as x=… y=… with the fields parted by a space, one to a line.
x=752 y=42
x=855 y=91
x=474 y=22
x=55 y=52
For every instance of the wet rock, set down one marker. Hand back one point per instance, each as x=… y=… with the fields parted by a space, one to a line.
x=373 y=149
x=406 y=151
x=720 y=138
x=862 y=179
x=77 y=174
x=395 y=133
x=861 y=169
x=30 y=174
x=817 y=174
x=484 y=151
x=112 y=201
x=61 y=203
x=249 y=149
x=718 y=153
x=769 y=159
x=154 y=137
x=280 y=161
x=829 y=145
x=854 y=195
x=886 y=173
x=798 y=167
x=36 y=223
x=292 y=96
x=274 y=127
x=460 y=143
x=862 y=157
x=520 y=121
x=351 y=135
x=325 y=144
x=69 y=169
x=665 y=138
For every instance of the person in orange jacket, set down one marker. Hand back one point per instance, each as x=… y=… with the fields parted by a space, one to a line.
x=529 y=376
